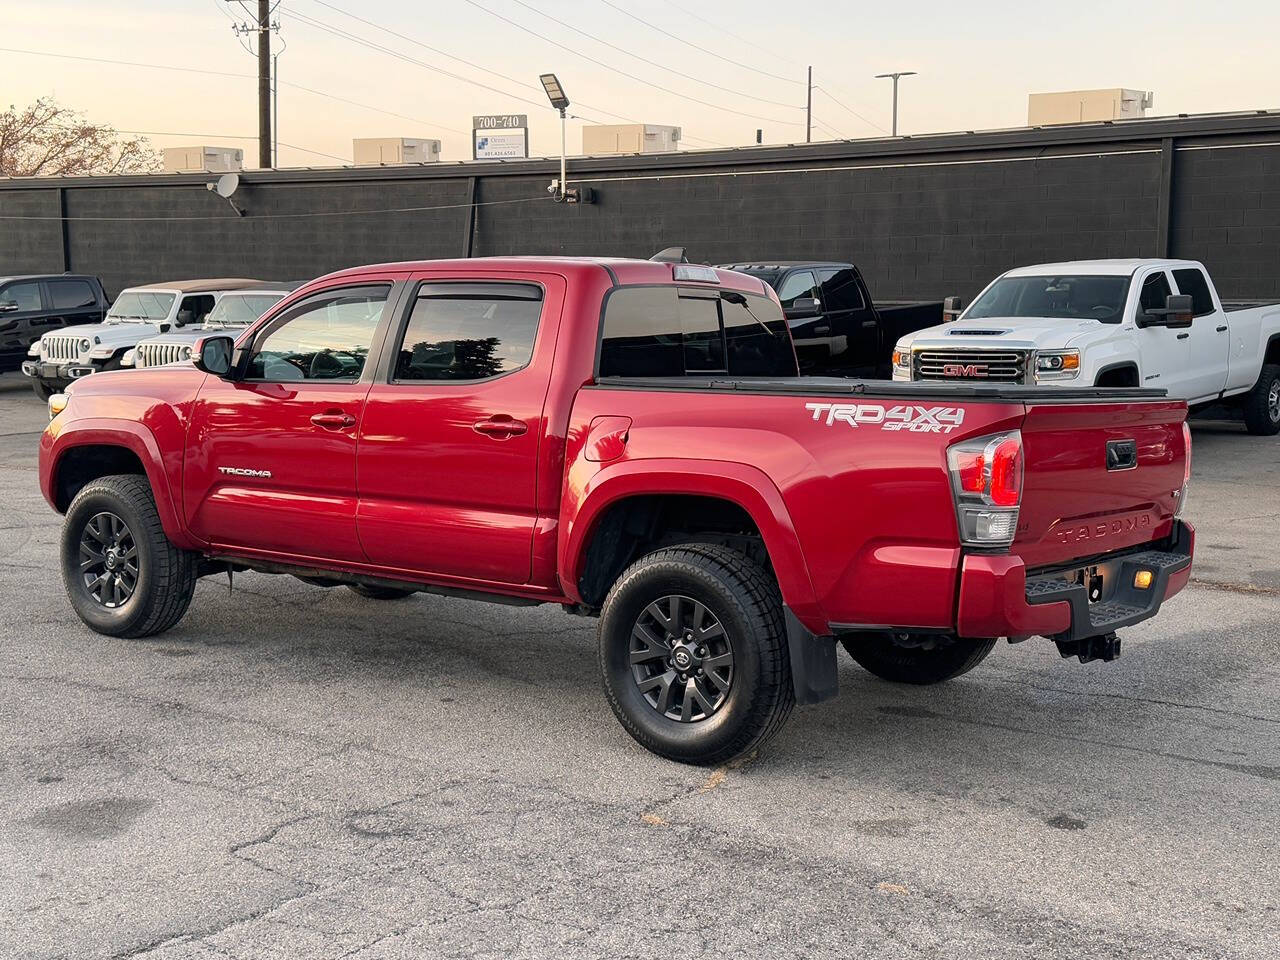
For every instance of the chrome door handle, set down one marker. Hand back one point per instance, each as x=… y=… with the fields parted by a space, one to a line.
x=334 y=420
x=500 y=427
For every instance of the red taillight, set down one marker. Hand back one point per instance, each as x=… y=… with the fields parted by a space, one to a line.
x=1006 y=471
x=986 y=475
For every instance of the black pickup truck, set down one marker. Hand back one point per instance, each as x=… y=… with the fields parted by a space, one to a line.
x=837 y=328
x=31 y=306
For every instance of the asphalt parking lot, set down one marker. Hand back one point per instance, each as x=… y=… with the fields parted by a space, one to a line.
x=298 y=772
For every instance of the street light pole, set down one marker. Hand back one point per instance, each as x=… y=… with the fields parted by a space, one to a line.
x=894 y=77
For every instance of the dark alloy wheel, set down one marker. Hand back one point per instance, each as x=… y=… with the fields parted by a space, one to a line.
x=919 y=658
x=693 y=653
x=123 y=576
x=108 y=560
x=681 y=658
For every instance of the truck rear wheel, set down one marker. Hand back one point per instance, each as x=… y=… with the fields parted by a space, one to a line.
x=693 y=653
x=123 y=576
x=916 y=658
x=1262 y=403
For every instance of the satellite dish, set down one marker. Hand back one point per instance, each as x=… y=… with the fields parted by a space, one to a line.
x=226 y=185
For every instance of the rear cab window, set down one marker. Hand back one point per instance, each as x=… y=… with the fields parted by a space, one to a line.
x=670 y=331
x=1191 y=281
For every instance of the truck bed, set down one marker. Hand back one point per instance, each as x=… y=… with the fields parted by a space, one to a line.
x=841 y=386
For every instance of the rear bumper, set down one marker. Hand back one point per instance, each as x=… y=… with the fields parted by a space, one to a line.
x=998 y=599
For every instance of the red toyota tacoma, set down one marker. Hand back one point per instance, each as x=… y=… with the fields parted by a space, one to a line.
x=630 y=440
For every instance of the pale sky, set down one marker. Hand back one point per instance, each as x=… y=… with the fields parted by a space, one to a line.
x=977 y=62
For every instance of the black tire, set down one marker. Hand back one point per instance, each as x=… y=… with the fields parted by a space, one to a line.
x=380 y=593
x=744 y=601
x=164 y=578
x=1262 y=403
x=918 y=659
x=41 y=391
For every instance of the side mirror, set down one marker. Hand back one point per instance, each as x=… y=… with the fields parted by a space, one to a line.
x=184 y=317
x=803 y=308
x=952 y=307
x=1177 y=312
x=8 y=306
x=213 y=355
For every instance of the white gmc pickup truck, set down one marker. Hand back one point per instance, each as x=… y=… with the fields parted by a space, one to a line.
x=1113 y=323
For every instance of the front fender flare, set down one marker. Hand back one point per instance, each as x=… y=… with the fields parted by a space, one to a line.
x=57 y=440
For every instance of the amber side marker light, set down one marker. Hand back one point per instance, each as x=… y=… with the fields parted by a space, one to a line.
x=1142 y=579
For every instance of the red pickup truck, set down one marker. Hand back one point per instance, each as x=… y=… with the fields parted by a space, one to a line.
x=631 y=440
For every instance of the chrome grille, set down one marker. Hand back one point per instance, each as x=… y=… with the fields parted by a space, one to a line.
x=993 y=366
x=60 y=348
x=158 y=354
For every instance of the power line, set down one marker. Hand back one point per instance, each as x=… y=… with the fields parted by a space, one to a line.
x=869 y=122
x=630 y=76
x=227 y=136
x=476 y=66
x=287 y=216
x=652 y=63
x=238 y=76
x=688 y=43
x=685 y=11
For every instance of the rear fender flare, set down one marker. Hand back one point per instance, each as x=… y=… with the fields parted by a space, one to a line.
x=741 y=484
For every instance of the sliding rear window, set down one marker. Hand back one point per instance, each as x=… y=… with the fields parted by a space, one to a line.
x=673 y=331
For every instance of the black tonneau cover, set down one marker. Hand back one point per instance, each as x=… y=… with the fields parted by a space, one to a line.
x=914 y=390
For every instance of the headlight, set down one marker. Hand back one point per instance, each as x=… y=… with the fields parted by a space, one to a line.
x=57 y=403
x=186 y=353
x=86 y=345
x=1057 y=364
x=901 y=360
x=127 y=360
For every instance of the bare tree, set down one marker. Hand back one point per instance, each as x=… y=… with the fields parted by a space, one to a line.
x=47 y=139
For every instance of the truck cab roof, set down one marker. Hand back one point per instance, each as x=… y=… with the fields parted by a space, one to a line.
x=1119 y=267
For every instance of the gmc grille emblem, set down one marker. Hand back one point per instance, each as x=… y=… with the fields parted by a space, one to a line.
x=964 y=370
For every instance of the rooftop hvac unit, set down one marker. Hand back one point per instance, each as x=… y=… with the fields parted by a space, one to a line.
x=203 y=159
x=375 y=151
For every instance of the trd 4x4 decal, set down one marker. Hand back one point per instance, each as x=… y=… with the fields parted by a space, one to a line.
x=910 y=417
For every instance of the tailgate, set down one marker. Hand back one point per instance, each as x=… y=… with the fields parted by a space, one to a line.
x=1099 y=477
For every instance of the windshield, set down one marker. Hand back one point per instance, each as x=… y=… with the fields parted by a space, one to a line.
x=141 y=306
x=1082 y=297
x=236 y=310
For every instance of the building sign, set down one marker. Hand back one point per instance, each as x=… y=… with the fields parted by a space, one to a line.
x=500 y=121
x=500 y=136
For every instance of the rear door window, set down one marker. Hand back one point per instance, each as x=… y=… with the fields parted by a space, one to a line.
x=666 y=332
x=1192 y=282
x=840 y=290
x=71 y=294
x=469 y=331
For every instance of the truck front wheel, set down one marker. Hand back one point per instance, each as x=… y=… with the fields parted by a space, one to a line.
x=1262 y=403
x=693 y=653
x=916 y=658
x=123 y=576
x=40 y=390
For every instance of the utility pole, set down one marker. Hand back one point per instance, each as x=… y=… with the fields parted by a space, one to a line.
x=895 y=76
x=808 y=109
x=264 y=84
